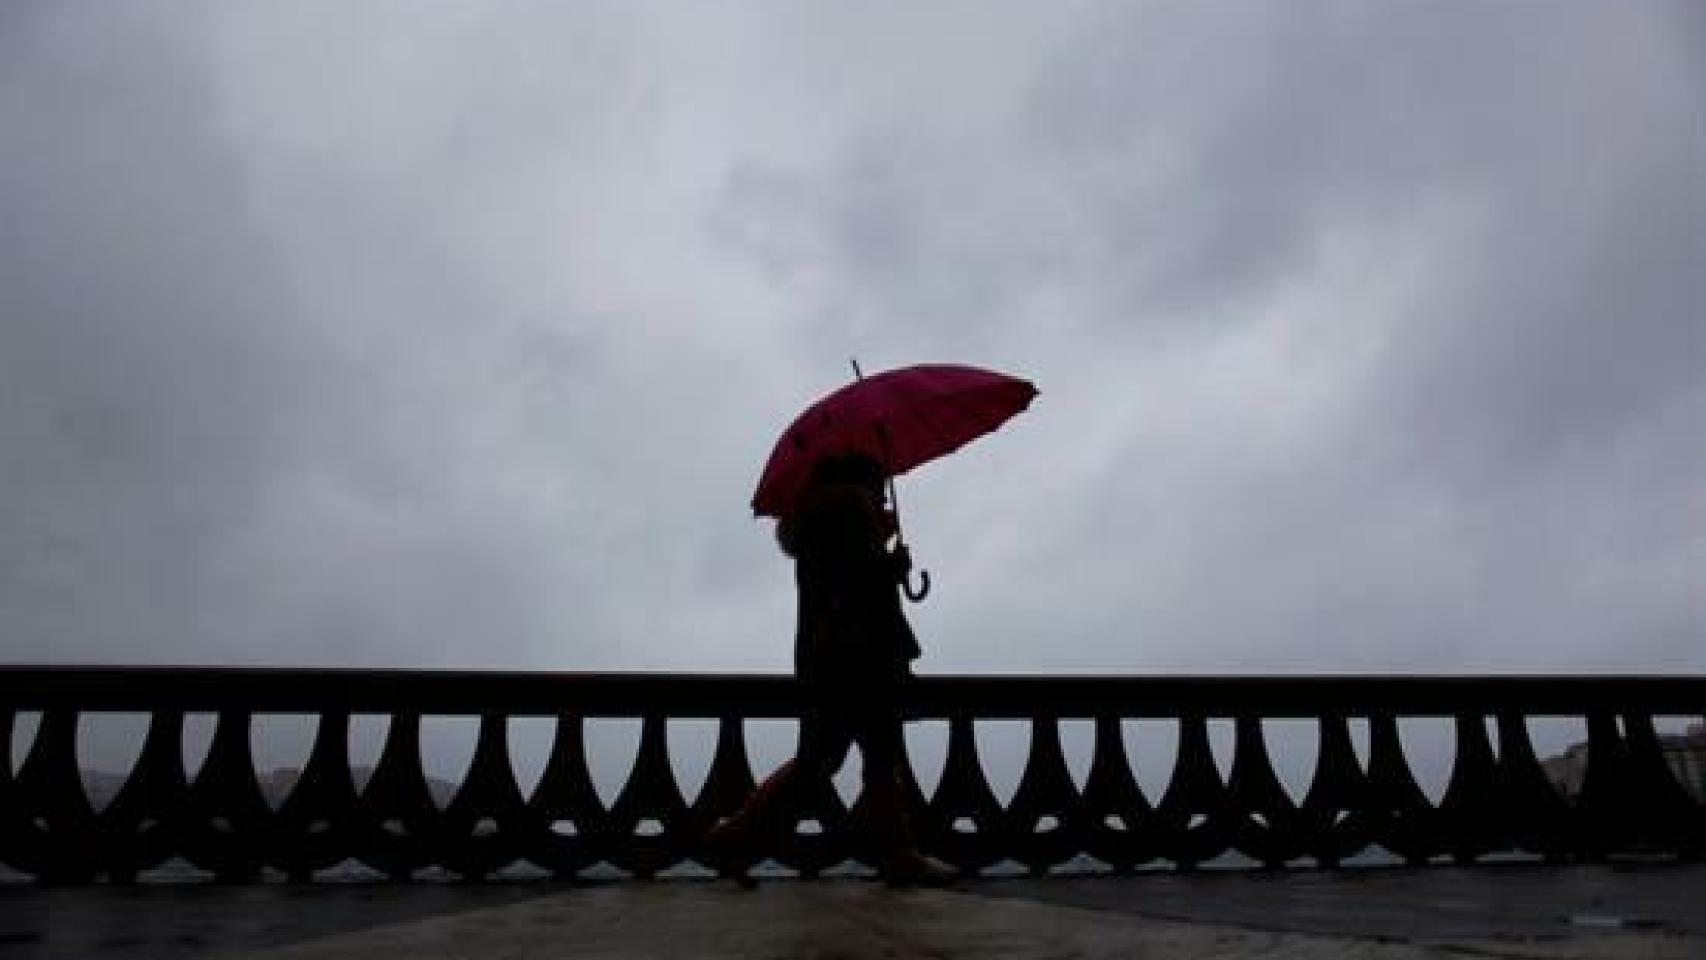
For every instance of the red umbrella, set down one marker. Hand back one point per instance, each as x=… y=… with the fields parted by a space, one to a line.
x=900 y=418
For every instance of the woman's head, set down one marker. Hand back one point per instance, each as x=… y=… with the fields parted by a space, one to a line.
x=856 y=469
x=838 y=470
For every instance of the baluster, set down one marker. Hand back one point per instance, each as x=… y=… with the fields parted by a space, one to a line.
x=1467 y=821
x=484 y=823
x=232 y=822
x=1667 y=819
x=651 y=793
x=1531 y=814
x=146 y=822
x=321 y=823
x=52 y=799
x=1045 y=790
x=1608 y=809
x=24 y=842
x=566 y=803
x=1117 y=814
x=1193 y=818
x=1333 y=815
x=728 y=784
x=1399 y=814
x=399 y=801
x=963 y=794
x=1264 y=821
x=730 y=781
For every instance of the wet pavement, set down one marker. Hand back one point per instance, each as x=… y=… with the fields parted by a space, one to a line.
x=183 y=921
x=1403 y=904
x=1391 y=914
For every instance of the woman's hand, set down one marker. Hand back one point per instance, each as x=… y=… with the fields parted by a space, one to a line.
x=900 y=560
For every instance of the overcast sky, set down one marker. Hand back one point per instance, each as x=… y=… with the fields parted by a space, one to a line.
x=1369 y=336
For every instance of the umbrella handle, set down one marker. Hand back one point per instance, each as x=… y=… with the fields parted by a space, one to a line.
x=918 y=595
x=923 y=589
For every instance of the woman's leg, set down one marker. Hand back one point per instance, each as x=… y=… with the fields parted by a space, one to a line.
x=879 y=738
x=774 y=805
x=894 y=845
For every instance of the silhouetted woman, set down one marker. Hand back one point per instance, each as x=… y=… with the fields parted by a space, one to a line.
x=852 y=646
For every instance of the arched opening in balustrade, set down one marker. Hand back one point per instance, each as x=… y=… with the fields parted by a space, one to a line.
x=1429 y=749
x=108 y=746
x=692 y=747
x=367 y=733
x=530 y=742
x=447 y=752
x=612 y=749
x=927 y=750
x=1078 y=745
x=1152 y=748
x=279 y=747
x=1002 y=746
x=770 y=742
x=1294 y=747
x=197 y=741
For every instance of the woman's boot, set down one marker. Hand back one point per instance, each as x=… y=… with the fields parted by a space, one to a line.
x=737 y=841
x=899 y=861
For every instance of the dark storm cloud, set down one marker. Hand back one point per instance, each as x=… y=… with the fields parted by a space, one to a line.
x=220 y=448
x=136 y=420
x=1369 y=337
x=1409 y=314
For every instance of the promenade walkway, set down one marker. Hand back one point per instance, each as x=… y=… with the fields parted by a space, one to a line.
x=1553 y=912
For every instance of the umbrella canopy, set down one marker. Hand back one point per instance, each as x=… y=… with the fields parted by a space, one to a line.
x=900 y=418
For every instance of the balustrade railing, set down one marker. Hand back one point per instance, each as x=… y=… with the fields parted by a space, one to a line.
x=1497 y=797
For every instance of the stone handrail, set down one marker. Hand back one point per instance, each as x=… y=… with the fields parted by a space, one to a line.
x=1498 y=797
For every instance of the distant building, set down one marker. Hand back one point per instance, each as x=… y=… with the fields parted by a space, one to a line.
x=1685 y=753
